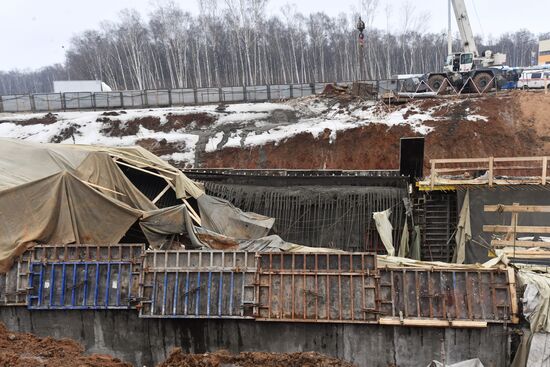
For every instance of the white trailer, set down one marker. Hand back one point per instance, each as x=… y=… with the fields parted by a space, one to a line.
x=73 y=86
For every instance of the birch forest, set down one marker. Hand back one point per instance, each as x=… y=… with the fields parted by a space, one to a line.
x=236 y=42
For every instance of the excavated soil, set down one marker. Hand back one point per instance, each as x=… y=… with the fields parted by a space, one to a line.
x=161 y=147
x=174 y=122
x=47 y=119
x=517 y=125
x=27 y=350
x=254 y=359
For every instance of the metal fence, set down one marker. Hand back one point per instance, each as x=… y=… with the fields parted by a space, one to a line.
x=44 y=102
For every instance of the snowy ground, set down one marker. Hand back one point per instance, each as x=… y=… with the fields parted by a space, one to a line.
x=240 y=125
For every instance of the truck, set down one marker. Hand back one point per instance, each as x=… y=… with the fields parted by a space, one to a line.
x=467 y=70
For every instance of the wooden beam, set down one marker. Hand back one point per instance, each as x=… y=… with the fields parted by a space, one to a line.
x=491 y=171
x=143 y=170
x=517 y=208
x=544 y=168
x=513 y=294
x=517 y=229
x=161 y=194
x=461 y=160
x=100 y=187
x=505 y=243
x=432 y=323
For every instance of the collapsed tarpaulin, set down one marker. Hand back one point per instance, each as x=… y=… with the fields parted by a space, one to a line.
x=54 y=193
x=536 y=299
x=220 y=216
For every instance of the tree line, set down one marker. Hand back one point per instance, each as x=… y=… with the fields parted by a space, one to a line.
x=237 y=43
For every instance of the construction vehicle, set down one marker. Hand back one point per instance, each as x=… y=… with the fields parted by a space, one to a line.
x=467 y=70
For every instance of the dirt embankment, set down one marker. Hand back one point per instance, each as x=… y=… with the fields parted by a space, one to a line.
x=256 y=359
x=517 y=125
x=27 y=350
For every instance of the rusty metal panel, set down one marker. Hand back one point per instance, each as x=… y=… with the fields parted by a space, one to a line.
x=198 y=284
x=315 y=287
x=14 y=283
x=83 y=285
x=445 y=294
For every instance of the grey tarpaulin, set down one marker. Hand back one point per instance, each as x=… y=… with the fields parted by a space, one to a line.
x=415 y=248
x=160 y=225
x=384 y=228
x=222 y=217
x=536 y=299
x=463 y=231
x=404 y=244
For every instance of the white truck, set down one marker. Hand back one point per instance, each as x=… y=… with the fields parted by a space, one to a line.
x=74 y=86
x=467 y=69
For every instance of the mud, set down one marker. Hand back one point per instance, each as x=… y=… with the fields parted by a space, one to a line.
x=200 y=120
x=252 y=359
x=27 y=350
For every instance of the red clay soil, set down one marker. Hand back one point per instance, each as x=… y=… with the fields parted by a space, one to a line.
x=517 y=126
x=255 y=359
x=27 y=350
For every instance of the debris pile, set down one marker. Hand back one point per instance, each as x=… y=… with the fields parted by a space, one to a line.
x=27 y=350
x=251 y=359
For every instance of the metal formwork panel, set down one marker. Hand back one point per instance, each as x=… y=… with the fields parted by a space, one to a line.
x=315 y=287
x=14 y=283
x=482 y=295
x=198 y=284
x=83 y=285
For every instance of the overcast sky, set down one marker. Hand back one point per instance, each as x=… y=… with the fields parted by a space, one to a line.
x=34 y=32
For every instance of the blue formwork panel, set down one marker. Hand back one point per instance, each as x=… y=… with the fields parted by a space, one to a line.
x=198 y=284
x=83 y=285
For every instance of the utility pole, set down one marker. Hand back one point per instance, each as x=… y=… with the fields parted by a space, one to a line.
x=449 y=32
x=361 y=27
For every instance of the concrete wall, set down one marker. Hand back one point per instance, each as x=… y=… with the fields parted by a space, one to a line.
x=146 y=342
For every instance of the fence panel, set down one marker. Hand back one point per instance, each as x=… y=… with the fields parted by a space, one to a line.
x=108 y=100
x=301 y=90
x=280 y=91
x=183 y=96
x=233 y=94
x=208 y=95
x=157 y=98
x=78 y=100
x=257 y=93
x=17 y=103
x=48 y=102
x=133 y=98
x=198 y=284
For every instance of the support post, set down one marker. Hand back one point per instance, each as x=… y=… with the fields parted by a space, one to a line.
x=491 y=170
x=544 y=168
x=432 y=176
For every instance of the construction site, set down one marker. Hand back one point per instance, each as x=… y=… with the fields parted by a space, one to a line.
x=391 y=222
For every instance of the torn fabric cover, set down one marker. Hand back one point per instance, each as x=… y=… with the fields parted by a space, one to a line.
x=536 y=300
x=222 y=217
x=55 y=193
x=463 y=231
x=159 y=226
x=384 y=228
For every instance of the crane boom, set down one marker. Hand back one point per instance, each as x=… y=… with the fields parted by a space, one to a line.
x=466 y=34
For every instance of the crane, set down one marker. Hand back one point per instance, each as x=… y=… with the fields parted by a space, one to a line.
x=467 y=65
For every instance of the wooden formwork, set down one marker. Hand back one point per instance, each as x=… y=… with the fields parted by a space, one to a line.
x=198 y=284
x=317 y=287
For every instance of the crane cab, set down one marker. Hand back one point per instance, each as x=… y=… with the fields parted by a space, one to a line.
x=459 y=62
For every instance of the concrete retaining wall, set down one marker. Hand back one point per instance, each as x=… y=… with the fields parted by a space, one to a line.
x=145 y=342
